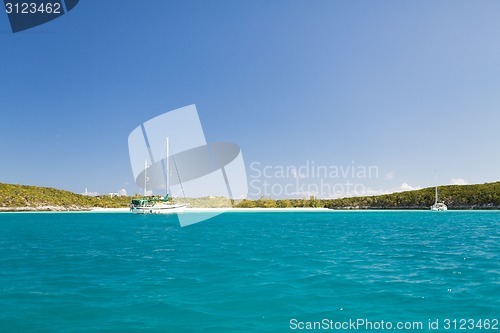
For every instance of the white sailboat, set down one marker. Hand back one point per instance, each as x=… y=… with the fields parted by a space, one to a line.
x=438 y=206
x=152 y=205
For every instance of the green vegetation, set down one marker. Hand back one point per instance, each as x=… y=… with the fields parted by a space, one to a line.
x=262 y=202
x=481 y=196
x=14 y=196
x=207 y=202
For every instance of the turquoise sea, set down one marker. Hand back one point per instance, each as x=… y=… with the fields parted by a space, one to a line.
x=250 y=272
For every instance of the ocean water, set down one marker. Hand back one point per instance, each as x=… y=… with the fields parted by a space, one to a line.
x=250 y=272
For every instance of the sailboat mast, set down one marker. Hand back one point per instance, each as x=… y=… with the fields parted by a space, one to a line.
x=168 y=169
x=145 y=175
x=435 y=176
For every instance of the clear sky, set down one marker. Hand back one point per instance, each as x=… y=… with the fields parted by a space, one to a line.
x=407 y=86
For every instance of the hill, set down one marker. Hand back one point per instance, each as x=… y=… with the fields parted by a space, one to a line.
x=23 y=197
x=34 y=198
x=480 y=196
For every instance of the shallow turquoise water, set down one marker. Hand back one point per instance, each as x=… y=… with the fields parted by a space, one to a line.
x=245 y=272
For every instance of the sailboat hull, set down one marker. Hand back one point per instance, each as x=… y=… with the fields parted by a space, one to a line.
x=159 y=209
x=439 y=207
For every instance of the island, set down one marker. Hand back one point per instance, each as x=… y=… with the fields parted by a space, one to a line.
x=20 y=198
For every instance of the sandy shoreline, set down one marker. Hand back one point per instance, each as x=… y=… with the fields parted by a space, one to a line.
x=126 y=210
x=54 y=209
x=203 y=210
x=57 y=209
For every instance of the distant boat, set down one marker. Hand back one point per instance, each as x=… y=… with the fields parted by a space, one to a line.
x=154 y=205
x=438 y=206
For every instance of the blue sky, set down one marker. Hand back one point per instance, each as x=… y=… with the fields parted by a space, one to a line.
x=409 y=87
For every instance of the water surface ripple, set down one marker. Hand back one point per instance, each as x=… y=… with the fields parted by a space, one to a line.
x=244 y=272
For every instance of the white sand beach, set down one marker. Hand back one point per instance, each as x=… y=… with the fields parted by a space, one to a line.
x=186 y=210
x=109 y=210
x=205 y=210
